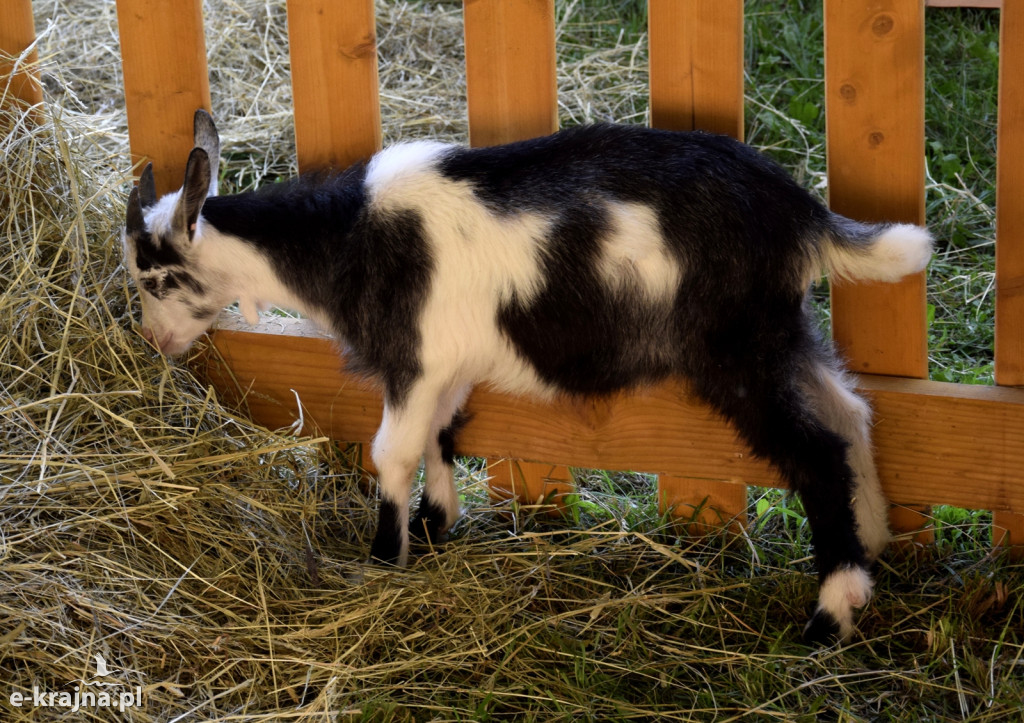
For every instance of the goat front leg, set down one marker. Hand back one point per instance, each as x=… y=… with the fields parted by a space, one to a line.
x=396 y=453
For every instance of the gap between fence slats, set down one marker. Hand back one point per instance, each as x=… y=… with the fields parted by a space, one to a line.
x=874 y=88
x=163 y=54
x=333 y=51
x=1009 y=358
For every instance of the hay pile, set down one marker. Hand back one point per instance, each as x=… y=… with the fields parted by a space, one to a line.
x=215 y=565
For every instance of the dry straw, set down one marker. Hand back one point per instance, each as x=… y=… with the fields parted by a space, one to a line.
x=215 y=565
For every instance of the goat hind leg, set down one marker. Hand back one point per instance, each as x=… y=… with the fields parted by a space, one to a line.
x=439 y=505
x=830 y=393
x=783 y=427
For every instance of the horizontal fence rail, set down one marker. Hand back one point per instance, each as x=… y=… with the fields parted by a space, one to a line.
x=937 y=443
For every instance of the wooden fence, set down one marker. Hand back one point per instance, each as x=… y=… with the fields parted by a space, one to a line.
x=937 y=443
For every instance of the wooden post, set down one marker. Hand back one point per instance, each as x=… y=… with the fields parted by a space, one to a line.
x=333 y=49
x=696 y=76
x=510 y=70
x=163 y=53
x=696 y=65
x=19 y=79
x=512 y=96
x=874 y=86
x=1009 y=362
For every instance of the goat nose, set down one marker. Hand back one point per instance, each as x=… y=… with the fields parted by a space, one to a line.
x=150 y=336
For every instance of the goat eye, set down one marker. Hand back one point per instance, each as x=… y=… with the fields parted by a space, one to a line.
x=150 y=284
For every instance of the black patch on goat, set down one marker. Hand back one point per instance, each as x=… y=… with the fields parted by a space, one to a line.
x=149 y=254
x=178 y=278
x=581 y=336
x=428 y=523
x=372 y=269
x=446 y=437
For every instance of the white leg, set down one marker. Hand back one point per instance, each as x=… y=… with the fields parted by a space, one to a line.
x=848 y=415
x=439 y=507
x=396 y=452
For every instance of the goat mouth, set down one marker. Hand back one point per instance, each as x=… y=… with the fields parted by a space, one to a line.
x=165 y=344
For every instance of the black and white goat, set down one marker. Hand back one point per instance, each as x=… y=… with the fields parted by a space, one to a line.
x=595 y=259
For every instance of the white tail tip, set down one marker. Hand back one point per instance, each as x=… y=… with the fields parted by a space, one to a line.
x=898 y=251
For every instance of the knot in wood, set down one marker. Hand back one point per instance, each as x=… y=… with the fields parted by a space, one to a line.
x=848 y=92
x=882 y=24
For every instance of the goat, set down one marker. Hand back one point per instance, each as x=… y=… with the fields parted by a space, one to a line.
x=596 y=259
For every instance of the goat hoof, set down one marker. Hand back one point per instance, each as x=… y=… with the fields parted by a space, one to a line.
x=822 y=629
x=427 y=530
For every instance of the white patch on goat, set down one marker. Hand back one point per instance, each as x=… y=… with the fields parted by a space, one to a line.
x=481 y=261
x=831 y=396
x=842 y=591
x=635 y=254
x=399 y=170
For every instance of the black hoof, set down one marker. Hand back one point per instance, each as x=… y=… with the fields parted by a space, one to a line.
x=387 y=544
x=822 y=629
x=428 y=525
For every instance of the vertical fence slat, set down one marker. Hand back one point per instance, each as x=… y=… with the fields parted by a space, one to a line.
x=163 y=53
x=696 y=65
x=696 y=78
x=333 y=51
x=1009 y=358
x=17 y=32
x=874 y=85
x=512 y=95
x=510 y=70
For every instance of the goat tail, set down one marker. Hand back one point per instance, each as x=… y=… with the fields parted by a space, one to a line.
x=875 y=252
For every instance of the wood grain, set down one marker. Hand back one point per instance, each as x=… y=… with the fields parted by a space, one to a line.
x=696 y=65
x=1009 y=354
x=333 y=51
x=964 y=3
x=163 y=54
x=510 y=70
x=19 y=78
x=874 y=102
x=936 y=443
x=696 y=78
x=874 y=85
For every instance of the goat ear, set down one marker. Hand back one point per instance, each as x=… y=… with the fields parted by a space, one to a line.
x=205 y=136
x=193 y=192
x=147 y=187
x=134 y=221
x=141 y=197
